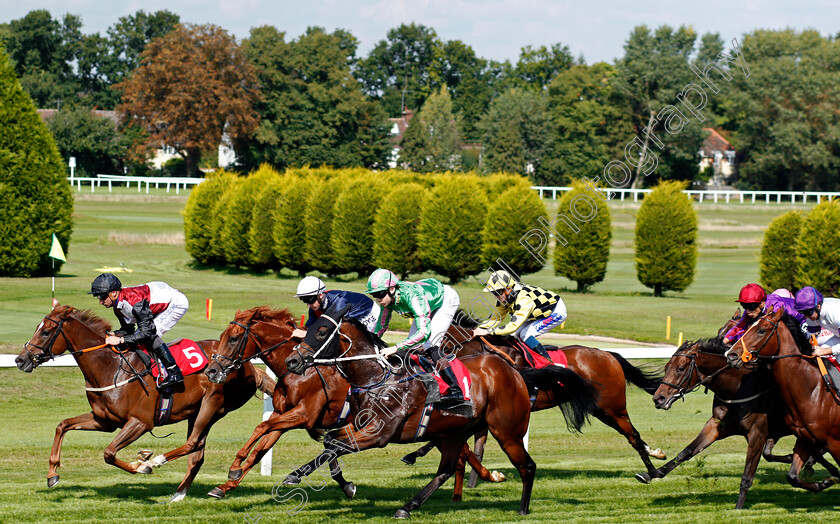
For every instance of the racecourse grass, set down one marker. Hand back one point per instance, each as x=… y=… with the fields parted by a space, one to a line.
x=580 y=478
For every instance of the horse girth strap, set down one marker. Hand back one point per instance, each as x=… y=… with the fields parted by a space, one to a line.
x=497 y=351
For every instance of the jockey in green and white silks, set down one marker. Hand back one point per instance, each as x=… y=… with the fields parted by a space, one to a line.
x=431 y=304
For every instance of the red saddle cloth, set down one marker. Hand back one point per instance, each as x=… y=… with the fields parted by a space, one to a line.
x=537 y=361
x=187 y=354
x=461 y=373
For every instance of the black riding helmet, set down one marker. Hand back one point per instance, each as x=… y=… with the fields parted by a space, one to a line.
x=105 y=283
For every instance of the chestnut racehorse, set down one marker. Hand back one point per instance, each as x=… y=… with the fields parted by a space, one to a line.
x=313 y=401
x=607 y=372
x=389 y=402
x=746 y=404
x=125 y=399
x=812 y=409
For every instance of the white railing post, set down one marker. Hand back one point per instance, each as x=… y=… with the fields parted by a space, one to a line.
x=268 y=409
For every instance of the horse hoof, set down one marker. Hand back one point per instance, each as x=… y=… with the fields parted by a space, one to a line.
x=216 y=493
x=644 y=478
x=235 y=474
x=349 y=490
x=178 y=496
x=457 y=498
x=144 y=469
x=409 y=459
x=291 y=480
x=401 y=514
x=52 y=481
x=658 y=454
x=497 y=476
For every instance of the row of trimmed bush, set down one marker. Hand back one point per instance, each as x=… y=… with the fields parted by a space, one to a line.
x=354 y=220
x=801 y=251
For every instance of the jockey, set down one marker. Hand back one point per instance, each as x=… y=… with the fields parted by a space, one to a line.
x=821 y=313
x=154 y=308
x=431 y=304
x=533 y=311
x=756 y=303
x=312 y=292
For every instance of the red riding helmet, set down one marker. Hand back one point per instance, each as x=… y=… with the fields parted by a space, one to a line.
x=751 y=294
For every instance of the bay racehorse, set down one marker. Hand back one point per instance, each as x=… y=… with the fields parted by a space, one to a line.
x=314 y=401
x=122 y=397
x=606 y=371
x=746 y=404
x=812 y=409
x=389 y=402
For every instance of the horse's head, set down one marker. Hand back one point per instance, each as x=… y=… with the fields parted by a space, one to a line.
x=760 y=339
x=322 y=340
x=253 y=332
x=48 y=341
x=681 y=375
x=732 y=322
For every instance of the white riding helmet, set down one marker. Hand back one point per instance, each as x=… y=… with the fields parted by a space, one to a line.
x=310 y=286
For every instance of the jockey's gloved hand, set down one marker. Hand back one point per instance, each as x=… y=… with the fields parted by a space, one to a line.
x=388 y=351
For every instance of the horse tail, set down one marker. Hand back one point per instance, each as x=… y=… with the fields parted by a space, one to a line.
x=264 y=382
x=575 y=397
x=645 y=379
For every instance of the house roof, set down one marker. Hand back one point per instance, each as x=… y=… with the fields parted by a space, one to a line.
x=398 y=126
x=715 y=142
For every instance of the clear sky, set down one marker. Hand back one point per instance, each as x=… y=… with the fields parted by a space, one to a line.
x=495 y=29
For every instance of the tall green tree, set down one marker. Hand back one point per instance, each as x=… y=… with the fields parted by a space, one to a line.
x=42 y=50
x=537 y=66
x=93 y=140
x=397 y=71
x=395 y=230
x=516 y=133
x=35 y=200
x=783 y=117
x=439 y=136
x=652 y=72
x=313 y=111
x=591 y=124
x=414 y=147
x=666 y=239
x=194 y=84
x=466 y=76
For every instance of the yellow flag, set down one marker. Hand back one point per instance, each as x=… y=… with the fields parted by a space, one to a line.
x=56 y=251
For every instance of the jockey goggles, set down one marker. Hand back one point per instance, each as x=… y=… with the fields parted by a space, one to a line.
x=309 y=299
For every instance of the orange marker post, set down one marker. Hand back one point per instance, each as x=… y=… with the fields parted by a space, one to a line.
x=209 y=309
x=302 y=321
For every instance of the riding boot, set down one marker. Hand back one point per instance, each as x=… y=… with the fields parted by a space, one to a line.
x=538 y=348
x=455 y=392
x=173 y=375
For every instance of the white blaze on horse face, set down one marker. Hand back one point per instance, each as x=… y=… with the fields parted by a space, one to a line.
x=38 y=329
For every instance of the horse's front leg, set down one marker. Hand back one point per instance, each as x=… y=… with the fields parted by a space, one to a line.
x=755 y=445
x=131 y=431
x=712 y=431
x=85 y=422
x=801 y=453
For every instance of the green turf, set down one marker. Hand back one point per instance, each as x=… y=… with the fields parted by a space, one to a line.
x=580 y=478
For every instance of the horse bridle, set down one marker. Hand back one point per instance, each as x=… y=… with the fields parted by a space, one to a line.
x=238 y=359
x=752 y=356
x=681 y=388
x=46 y=350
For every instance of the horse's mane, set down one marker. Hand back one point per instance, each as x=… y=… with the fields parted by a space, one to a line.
x=798 y=336
x=86 y=317
x=373 y=338
x=712 y=345
x=267 y=314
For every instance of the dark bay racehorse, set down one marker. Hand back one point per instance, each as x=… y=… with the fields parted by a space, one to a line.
x=812 y=411
x=746 y=404
x=313 y=401
x=607 y=372
x=121 y=400
x=389 y=402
